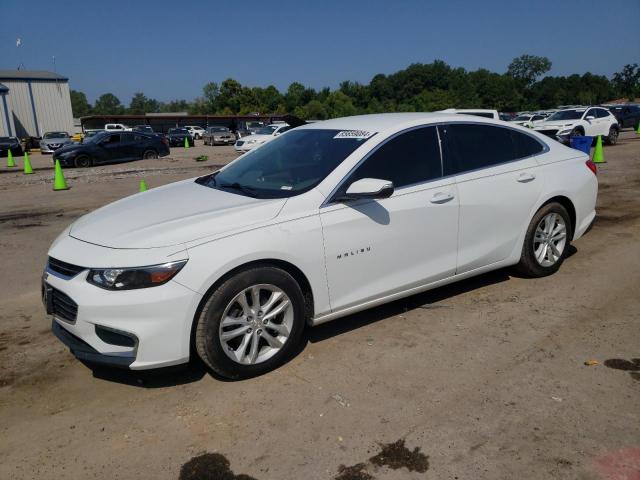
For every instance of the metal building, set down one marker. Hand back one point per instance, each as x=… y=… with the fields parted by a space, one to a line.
x=36 y=102
x=7 y=129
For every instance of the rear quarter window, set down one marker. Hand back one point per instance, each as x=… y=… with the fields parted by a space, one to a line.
x=475 y=146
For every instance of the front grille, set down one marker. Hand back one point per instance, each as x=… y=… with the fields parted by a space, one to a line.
x=64 y=268
x=63 y=306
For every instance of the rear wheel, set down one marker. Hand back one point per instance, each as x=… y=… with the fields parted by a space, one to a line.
x=546 y=241
x=149 y=154
x=83 y=161
x=612 y=138
x=251 y=323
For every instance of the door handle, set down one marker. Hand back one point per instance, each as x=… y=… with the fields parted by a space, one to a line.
x=442 y=197
x=526 y=177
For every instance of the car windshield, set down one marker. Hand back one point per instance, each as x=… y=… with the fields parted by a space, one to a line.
x=566 y=115
x=264 y=131
x=218 y=129
x=7 y=139
x=94 y=137
x=179 y=130
x=289 y=165
x=522 y=117
x=56 y=135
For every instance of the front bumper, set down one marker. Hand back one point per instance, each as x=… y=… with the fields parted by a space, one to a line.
x=158 y=318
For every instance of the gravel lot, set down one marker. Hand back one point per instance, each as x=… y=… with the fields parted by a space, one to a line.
x=485 y=379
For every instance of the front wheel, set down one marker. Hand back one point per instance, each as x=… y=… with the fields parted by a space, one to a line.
x=83 y=161
x=546 y=241
x=251 y=323
x=612 y=138
x=150 y=154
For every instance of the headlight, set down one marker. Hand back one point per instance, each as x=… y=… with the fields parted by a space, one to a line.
x=132 y=278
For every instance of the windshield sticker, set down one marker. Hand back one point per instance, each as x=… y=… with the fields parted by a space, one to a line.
x=357 y=134
x=286 y=187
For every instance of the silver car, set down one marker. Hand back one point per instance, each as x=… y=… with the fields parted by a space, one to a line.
x=51 y=141
x=218 y=136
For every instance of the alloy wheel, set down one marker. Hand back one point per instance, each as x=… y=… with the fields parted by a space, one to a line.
x=550 y=239
x=256 y=324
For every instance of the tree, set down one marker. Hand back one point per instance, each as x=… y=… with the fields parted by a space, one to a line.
x=627 y=81
x=141 y=105
x=211 y=92
x=230 y=92
x=108 y=104
x=79 y=104
x=527 y=68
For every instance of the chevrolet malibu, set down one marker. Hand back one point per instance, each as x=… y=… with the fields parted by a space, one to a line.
x=330 y=219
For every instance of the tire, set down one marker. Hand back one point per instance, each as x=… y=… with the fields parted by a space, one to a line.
x=530 y=264
x=226 y=357
x=612 y=138
x=83 y=161
x=149 y=154
x=577 y=132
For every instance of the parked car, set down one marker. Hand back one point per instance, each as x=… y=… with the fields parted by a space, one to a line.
x=528 y=119
x=51 y=141
x=327 y=220
x=195 y=131
x=143 y=129
x=260 y=137
x=10 y=143
x=112 y=147
x=176 y=137
x=590 y=121
x=626 y=115
x=110 y=127
x=478 y=112
x=218 y=136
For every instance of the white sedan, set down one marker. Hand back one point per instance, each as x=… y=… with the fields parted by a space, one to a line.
x=330 y=219
x=260 y=136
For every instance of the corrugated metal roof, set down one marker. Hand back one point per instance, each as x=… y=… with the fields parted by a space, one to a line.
x=3 y=88
x=30 y=75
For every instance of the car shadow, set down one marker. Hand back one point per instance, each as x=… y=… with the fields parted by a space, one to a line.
x=156 y=378
x=425 y=300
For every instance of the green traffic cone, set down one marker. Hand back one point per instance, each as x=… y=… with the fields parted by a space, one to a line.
x=27 y=164
x=59 y=183
x=598 y=155
x=10 y=161
x=186 y=142
x=143 y=186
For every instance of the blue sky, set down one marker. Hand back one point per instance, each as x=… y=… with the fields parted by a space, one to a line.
x=170 y=49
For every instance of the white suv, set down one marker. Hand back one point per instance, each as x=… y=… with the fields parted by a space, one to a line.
x=195 y=131
x=590 y=121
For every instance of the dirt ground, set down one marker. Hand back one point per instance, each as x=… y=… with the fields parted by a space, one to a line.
x=485 y=379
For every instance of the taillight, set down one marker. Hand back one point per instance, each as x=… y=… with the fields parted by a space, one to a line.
x=165 y=141
x=592 y=166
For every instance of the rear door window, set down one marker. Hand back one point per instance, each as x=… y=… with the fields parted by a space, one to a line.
x=475 y=146
x=411 y=157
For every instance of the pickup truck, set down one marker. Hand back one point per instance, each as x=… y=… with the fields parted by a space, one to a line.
x=117 y=127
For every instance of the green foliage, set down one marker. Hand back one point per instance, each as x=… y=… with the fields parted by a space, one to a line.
x=79 y=104
x=527 y=68
x=108 y=104
x=419 y=87
x=627 y=81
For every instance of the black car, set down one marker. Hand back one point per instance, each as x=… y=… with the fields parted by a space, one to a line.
x=10 y=143
x=176 y=137
x=627 y=115
x=107 y=147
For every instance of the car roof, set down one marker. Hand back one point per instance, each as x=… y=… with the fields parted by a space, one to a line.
x=378 y=122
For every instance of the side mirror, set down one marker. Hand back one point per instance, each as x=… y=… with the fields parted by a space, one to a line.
x=368 y=188
x=588 y=118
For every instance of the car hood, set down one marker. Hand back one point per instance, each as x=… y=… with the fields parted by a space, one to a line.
x=174 y=214
x=556 y=123
x=70 y=147
x=258 y=138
